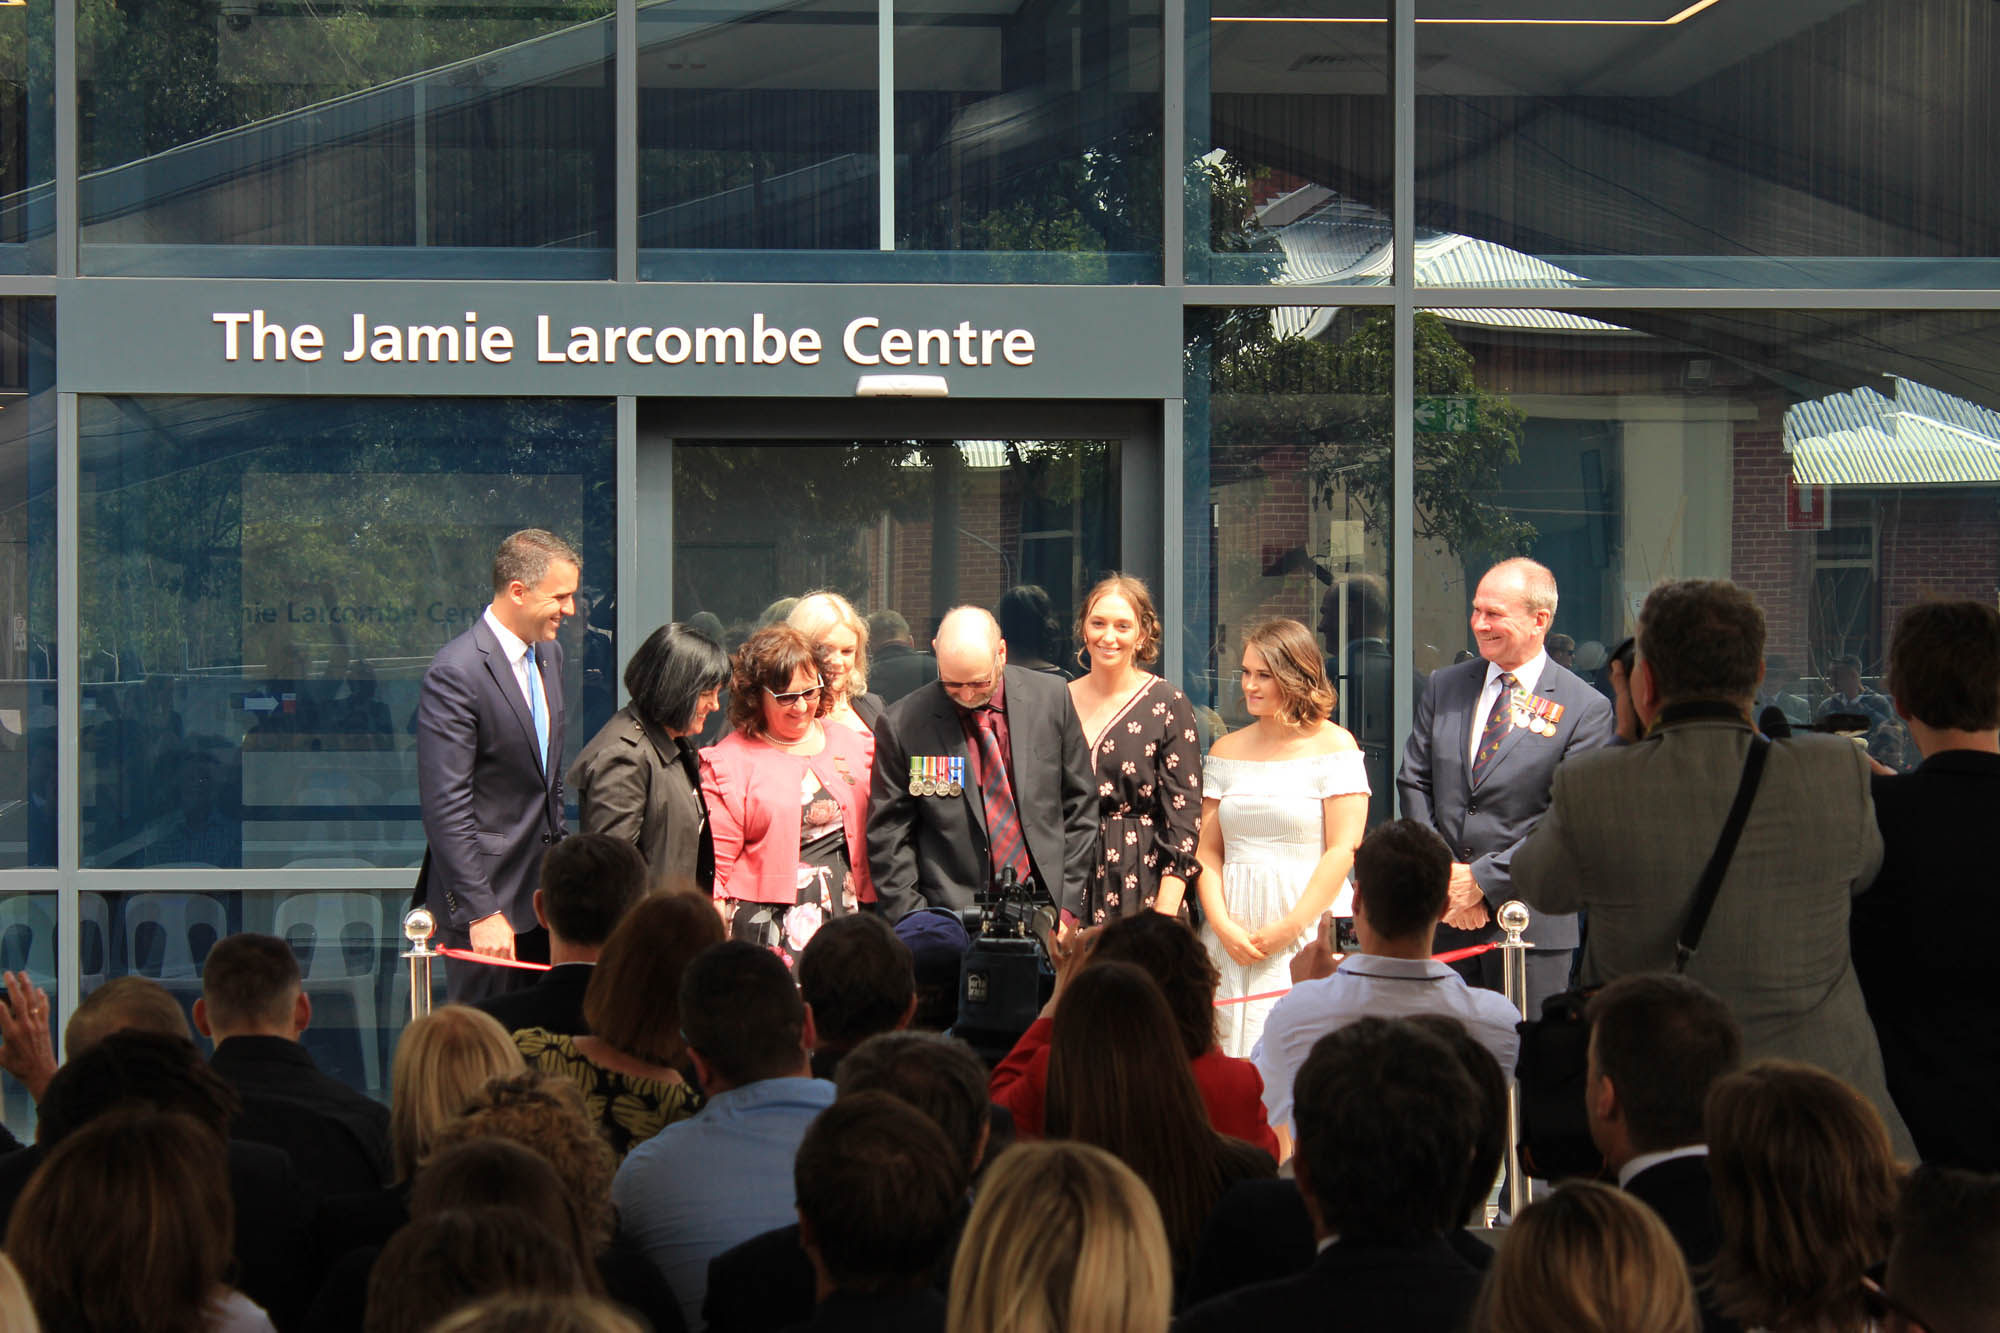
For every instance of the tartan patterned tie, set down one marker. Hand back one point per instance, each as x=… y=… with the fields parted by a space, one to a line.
x=1498 y=723
x=1004 y=842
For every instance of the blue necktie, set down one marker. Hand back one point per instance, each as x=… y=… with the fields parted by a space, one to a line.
x=538 y=709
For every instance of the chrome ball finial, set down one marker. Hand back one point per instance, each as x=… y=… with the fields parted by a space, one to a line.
x=1513 y=917
x=419 y=926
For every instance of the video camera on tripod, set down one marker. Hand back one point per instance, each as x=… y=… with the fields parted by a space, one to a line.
x=1009 y=970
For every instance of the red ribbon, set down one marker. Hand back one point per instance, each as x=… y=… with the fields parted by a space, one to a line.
x=1449 y=956
x=468 y=956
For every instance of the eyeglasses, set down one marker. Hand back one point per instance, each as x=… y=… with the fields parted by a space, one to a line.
x=1879 y=1304
x=796 y=696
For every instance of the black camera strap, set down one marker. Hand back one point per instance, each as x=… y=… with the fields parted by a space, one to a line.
x=1725 y=848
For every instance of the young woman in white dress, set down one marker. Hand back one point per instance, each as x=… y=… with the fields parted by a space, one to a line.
x=1284 y=802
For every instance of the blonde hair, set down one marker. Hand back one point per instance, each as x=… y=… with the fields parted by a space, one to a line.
x=1141 y=601
x=1588 y=1259
x=538 y=1314
x=1291 y=655
x=1064 y=1238
x=442 y=1062
x=17 y=1311
x=816 y=615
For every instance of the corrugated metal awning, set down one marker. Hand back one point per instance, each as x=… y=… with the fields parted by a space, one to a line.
x=1919 y=437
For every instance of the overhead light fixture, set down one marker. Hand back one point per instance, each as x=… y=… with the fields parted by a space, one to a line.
x=1668 y=22
x=902 y=386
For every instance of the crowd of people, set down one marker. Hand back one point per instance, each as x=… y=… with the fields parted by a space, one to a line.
x=1253 y=1095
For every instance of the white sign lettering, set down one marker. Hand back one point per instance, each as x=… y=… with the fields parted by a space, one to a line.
x=250 y=335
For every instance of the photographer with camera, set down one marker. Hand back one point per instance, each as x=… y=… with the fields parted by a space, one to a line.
x=1402 y=872
x=1629 y=829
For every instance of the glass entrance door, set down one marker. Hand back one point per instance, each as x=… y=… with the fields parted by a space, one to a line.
x=904 y=529
x=905 y=526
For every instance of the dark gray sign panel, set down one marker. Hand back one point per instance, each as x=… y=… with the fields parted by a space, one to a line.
x=301 y=337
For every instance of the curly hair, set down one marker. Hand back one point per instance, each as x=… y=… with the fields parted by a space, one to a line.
x=1305 y=696
x=546 y=1115
x=768 y=660
x=1133 y=590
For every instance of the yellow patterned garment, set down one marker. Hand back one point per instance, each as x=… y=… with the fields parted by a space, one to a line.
x=630 y=1109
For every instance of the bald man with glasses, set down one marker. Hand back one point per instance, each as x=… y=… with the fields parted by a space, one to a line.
x=983 y=770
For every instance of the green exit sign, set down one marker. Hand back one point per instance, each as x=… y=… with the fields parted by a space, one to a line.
x=1445 y=414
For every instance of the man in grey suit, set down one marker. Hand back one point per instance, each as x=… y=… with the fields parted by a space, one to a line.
x=935 y=847
x=1484 y=745
x=489 y=765
x=1628 y=831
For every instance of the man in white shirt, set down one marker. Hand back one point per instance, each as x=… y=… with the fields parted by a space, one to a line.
x=489 y=765
x=1402 y=872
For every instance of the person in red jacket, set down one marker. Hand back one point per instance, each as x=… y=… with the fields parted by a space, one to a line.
x=1173 y=956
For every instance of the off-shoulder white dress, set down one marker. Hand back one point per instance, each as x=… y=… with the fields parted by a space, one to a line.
x=1273 y=834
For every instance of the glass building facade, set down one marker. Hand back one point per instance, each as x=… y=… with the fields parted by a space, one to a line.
x=1294 y=307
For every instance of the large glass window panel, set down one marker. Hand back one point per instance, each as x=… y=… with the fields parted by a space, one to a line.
x=1025 y=141
x=369 y=139
x=758 y=151
x=1289 y=175
x=1838 y=465
x=1027 y=138
x=29 y=766
x=28 y=945
x=347 y=943
x=1289 y=457
x=27 y=137
x=914 y=527
x=1837 y=144
x=263 y=583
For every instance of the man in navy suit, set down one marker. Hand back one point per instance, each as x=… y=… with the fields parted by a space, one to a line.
x=1483 y=749
x=489 y=765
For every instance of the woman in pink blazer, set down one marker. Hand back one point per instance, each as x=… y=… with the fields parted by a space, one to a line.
x=787 y=794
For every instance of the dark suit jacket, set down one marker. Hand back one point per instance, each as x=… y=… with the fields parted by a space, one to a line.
x=1922 y=958
x=767 y=1284
x=635 y=782
x=918 y=1311
x=338 y=1140
x=1355 y=1288
x=1484 y=824
x=1680 y=1192
x=931 y=851
x=868 y=707
x=555 y=1002
x=490 y=812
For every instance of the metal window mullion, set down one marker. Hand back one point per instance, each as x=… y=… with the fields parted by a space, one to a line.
x=1173 y=148
x=1402 y=541
x=885 y=123
x=625 y=170
x=67 y=225
x=69 y=712
x=627 y=562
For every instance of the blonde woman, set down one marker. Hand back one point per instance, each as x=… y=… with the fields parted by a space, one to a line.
x=442 y=1062
x=831 y=625
x=1284 y=803
x=1588 y=1259
x=1064 y=1238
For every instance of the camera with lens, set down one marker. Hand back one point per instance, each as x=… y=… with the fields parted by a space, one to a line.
x=1007 y=973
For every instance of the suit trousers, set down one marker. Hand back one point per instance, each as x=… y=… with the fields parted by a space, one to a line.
x=469 y=983
x=1548 y=974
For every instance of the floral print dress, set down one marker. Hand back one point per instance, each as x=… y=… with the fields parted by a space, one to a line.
x=826 y=881
x=1148 y=762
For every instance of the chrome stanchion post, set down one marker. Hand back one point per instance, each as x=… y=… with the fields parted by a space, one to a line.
x=418 y=927
x=1513 y=919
